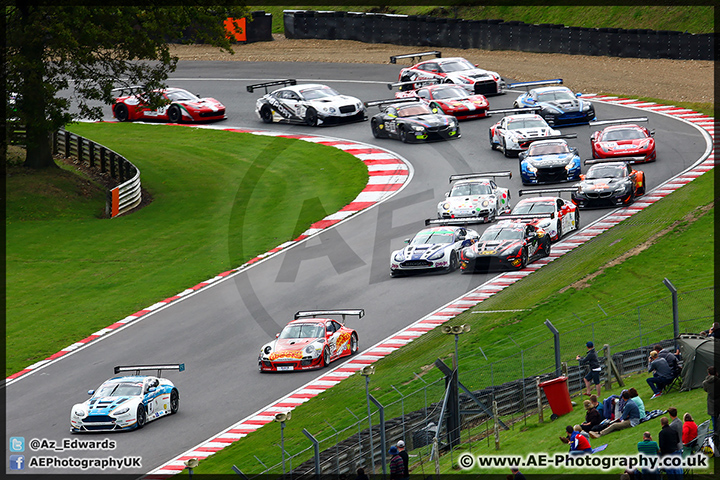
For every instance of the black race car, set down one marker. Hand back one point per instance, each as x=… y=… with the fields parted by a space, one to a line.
x=410 y=120
x=507 y=245
x=609 y=183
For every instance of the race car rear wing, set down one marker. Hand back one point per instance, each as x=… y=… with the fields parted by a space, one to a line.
x=129 y=89
x=465 y=176
x=549 y=137
x=359 y=312
x=546 y=191
x=393 y=58
x=453 y=221
x=381 y=103
x=276 y=83
x=429 y=81
x=536 y=83
x=594 y=161
x=525 y=216
x=618 y=121
x=515 y=110
x=180 y=367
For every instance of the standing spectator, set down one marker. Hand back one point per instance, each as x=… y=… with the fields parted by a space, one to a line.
x=711 y=385
x=635 y=397
x=592 y=416
x=396 y=464
x=648 y=447
x=516 y=475
x=689 y=432
x=668 y=440
x=406 y=459
x=630 y=418
x=677 y=425
x=591 y=360
x=662 y=375
x=670 y=358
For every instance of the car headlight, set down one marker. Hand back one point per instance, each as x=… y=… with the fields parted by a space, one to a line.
x=79 y=412
x=551 y=109
x=121 y=411
x=399 y=257
x=531 y=168
x=446 y=206
x=510 y=250
x=622 y=187
x=485 y=203
x=437 y=255
x=418 y=128
x=359 y=105
x=468 y=253
x=309 y=349
x=645 y=143
x=587 y=107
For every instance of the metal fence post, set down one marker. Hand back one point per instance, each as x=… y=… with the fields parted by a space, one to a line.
x=316 y=448
x=383 y=445
x=556 y=337
x=676 y=314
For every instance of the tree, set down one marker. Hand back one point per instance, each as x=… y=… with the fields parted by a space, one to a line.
x=88 y=51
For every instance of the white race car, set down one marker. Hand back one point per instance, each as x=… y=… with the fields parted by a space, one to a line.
x=127 y=402
x=311 y=104
x=475 y=196
x=555 y=215
x=455 y=70
x=432 y=249
x=512 y=133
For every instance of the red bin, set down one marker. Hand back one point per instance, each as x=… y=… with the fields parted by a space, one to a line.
x=558 y=395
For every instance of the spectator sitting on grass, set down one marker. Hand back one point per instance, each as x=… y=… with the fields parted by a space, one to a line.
x=569 y=431
x=592 y=416
x=630 y=418
x=635 y=397
x=579 y=443
x=598 y=406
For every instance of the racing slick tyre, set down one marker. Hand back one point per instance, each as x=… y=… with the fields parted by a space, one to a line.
x=523 y=259
x=375 y=129
x=326 y=357
x=641 y=190
x=141 y=416
x=266 y=114
x=121 y=113
x=174 y=114
x=559 y=230
x=447 y=80
x=492 y=144
x=547 y=250
x=505 y=150
x=354 y=345
x=174 y=401
x=577 y=219
x=402 y=133
x=311 y=117
x=454 y=262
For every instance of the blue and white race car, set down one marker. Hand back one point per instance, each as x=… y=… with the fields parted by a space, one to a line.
x=433 y=249
x=559 y=105
x=127 y=402
x=549 y=161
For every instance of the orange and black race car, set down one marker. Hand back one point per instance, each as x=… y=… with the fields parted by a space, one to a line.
x=609 y=183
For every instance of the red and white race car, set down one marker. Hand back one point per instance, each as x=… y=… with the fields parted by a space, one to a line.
x=624 y=140
x=182 y=106
x=455 y=70
x=310 y=341
x=450 y=100
x=555 y=215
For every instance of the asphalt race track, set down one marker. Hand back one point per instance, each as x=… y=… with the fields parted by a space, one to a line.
x=218 y=331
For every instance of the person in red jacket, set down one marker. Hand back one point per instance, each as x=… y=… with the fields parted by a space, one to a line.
x=689 y=430
x=579 y=443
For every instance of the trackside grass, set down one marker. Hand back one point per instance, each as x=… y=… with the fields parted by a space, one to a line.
x=684 y=253
x=219 y=199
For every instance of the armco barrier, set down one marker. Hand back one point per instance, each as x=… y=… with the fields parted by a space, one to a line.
x=412 y=30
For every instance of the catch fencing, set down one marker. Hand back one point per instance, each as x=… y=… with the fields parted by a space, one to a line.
x=418 y=30
x=124 y=196
x=412 y=411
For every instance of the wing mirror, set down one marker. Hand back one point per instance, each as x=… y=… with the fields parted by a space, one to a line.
x=91 y=392
x=407 y=240
x=447 y=194
x=652 y=132
x=277 y=335
x=151 y=389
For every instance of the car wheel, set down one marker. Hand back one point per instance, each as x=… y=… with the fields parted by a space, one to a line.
x=141 y=416
x=577 y=219
x=266 y=114
x=641 y=190
x=492 y=144
x=559 y=230
x=311 y=117
x=505 y=150
x=121 y=112
x=174 y=402
x=547 y=250
x=375 y=128
x=454 y=262
x=326 y=357
x=174 y=114
x=523 y=259
x=403 y=135
x=354 y=344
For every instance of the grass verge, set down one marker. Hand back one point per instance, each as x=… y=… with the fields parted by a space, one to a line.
x=219 y=199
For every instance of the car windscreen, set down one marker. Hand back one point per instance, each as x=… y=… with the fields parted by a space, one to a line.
x=554 y=96
x=605 y=171
x=430 y=238
x=320 y=92
x=413 y=111
x=502 y=234
x=534 y=207
x=119 y=390
x=182 y=96
x=456 y=66
x=471 y=189
x=303 y=330
x=526 y=123
x=622 y=134
x=450 y=93
x=547 y=149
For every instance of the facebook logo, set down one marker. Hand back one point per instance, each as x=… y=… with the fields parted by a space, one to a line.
x=17 y=462
x=17 y=444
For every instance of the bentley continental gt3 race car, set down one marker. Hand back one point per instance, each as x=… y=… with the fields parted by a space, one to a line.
x=622 y=138
x=514 y=133
x=455 y=70
x=609 y=183
x=555 y=215
x=506 y=245
x=127 y=402
x=182 y=106
x=448 y=99
x=549 y=161
x=410 y=120
x=310 y=341
x=310 y=104
x=558 y=105
x=432 y=249
x=475 y=197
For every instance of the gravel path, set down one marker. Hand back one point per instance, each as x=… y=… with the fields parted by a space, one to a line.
x=674 y=80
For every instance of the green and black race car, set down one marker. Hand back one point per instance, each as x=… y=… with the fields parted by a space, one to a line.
x=410 y=120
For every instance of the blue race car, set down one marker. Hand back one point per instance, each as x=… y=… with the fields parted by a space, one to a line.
x=127 y=402
x=549 y=161
x=560 y=106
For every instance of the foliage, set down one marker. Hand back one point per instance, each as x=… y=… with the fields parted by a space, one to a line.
x=93 y=49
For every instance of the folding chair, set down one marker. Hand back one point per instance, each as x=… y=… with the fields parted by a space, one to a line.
x=694 y=445
x=677 y=381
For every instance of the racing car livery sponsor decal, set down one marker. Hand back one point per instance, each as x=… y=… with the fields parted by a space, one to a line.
x=286 y=354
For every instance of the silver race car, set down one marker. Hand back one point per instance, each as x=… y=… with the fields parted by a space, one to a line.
x=475 y=197
x=513 y=133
